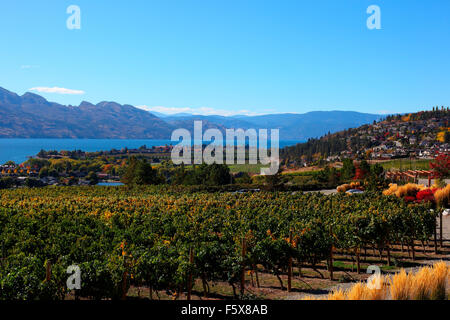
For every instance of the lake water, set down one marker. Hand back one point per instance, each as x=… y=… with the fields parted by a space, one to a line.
x=110 y=184
x=18 y=150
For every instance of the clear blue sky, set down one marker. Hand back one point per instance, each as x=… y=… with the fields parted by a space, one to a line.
x=227 y=56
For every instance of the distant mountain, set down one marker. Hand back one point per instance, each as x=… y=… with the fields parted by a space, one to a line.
x=32 y=116
x=292 y=126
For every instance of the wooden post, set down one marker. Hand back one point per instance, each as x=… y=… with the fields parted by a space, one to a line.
x=413 y=251
x=191 y=262
x=290 y=265
x=358 y=262
x=205 y=291
x=124 y=285
x=435 y=241
x=388 y=254
x=255 y=267
x=440 y=228
x=48 y=271
x=243 y=268
x=331 y=264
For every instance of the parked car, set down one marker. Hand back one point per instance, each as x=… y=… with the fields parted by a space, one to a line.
x=353 y=191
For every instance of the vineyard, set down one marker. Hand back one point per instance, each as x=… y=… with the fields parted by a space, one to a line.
x=166 y=238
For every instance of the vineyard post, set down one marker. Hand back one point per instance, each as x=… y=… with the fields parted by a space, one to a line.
x=358 y=262
x=330 y=263
x=124 y=285
x=330 y=267
x=243 y=268
x=255 y=267
x=290 y=265
x=388 y=254
x=191 y=262
x=413 y=250
x=440 y=228
x=435 y=241
x=48 y=270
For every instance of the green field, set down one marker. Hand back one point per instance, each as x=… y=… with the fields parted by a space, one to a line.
x=249 y=168
x=406 y=164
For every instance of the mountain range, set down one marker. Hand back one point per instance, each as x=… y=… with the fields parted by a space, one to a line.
x=32 y=116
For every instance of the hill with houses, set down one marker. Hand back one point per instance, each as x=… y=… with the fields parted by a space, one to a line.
x=417 y=135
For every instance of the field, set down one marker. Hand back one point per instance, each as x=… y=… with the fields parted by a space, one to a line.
x=406 y=164
x=248 y=168
x=132 y=240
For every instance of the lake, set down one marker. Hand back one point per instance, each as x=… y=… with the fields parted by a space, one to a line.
x=110 y=184
x=18 y=150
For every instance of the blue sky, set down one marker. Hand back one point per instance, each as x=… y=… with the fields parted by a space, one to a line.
x=231 y=57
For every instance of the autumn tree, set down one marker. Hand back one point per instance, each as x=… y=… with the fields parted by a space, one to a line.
x=441 y=166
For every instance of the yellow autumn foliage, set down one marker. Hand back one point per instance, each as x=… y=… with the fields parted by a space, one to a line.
x=392 y=189
x=345 y=187
x=442 y=196
x=409 y=189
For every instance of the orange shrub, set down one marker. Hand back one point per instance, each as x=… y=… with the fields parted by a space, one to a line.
x=442 y=196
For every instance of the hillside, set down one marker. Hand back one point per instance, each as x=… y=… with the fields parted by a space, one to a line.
x=32 y=116
x=420 y=135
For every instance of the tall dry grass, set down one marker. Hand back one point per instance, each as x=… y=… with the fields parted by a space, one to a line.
x=439 y=281
x=378 y=288
x=337 y=295
x=400 y=285
x=357 y=292
x=429 y=283
x=420 y=287
x=442 y=196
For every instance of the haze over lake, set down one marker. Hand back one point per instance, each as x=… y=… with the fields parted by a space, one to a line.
x=18 y=150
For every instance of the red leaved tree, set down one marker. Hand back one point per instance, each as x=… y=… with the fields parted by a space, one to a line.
x=441 y=166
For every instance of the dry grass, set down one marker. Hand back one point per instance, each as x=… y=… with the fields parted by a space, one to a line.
x=400 y=285
x=337 y=295
x=428 y=283
x=420 y=288
x=378 y=289
x=442 y=196
x=357 y=292
x=440 y=277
